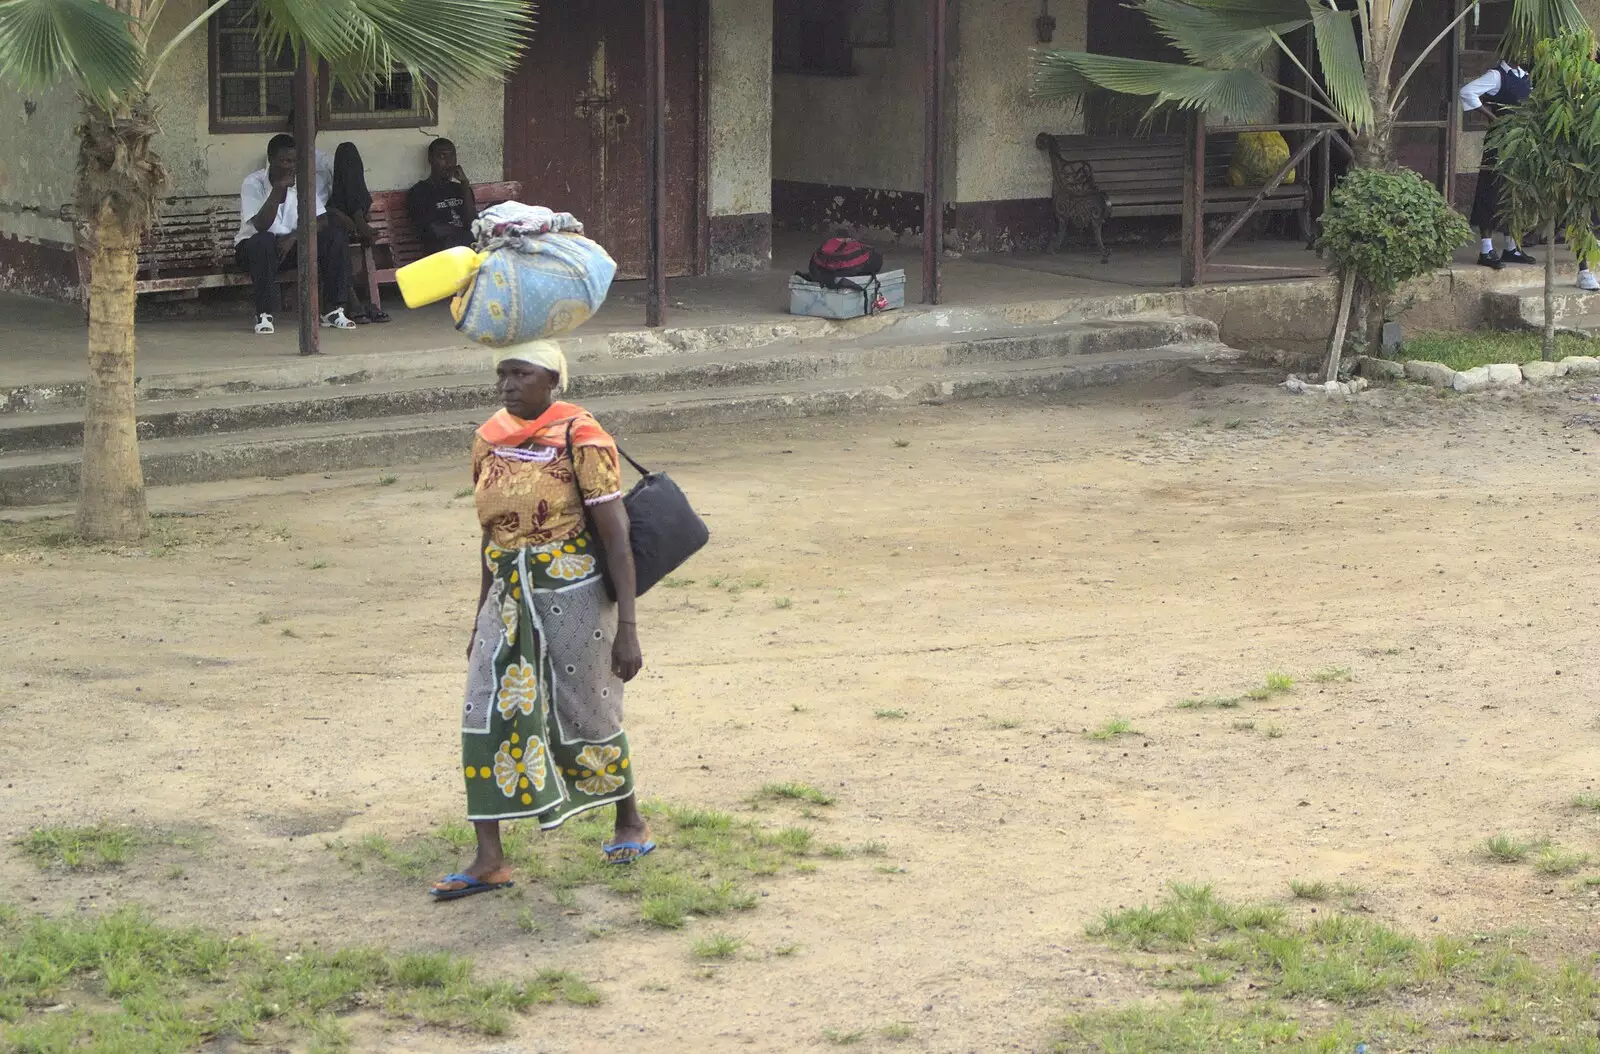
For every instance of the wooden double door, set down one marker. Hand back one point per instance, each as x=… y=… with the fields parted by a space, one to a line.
x=575 y=125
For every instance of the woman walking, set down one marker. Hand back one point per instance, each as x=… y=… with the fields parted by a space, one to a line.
x=541 y=725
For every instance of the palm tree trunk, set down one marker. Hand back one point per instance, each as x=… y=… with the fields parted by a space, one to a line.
x=1341 y=324
x=1547 y=350
x=111 y=503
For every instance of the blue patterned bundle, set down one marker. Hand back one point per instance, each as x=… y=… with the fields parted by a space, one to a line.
x=542 y=277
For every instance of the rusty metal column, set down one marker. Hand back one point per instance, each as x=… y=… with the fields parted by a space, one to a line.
x=305 y=141
x=1192 y=269
x=1452 y=115
x=933 y=156
x=655 y=162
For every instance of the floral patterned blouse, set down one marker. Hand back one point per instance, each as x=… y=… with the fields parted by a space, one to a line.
x=526 y=494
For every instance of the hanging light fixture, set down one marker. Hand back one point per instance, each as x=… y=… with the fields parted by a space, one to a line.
x=1045 y=24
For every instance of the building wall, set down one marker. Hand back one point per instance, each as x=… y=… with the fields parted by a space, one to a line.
x=37 y=172
x=739 y=85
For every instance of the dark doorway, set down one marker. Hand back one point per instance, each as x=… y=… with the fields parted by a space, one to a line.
x=1116 y=29
x=575 y=122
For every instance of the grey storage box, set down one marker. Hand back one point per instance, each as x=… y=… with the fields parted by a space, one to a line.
x=809 y=298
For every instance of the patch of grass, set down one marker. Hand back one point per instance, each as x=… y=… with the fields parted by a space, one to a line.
x=1244 y=726
x=796 y=792
x=902 y=443
x=388 y=481
x=842 y=1038
x=464 y=492
x=782 y=603
x=1231 y=702
x=318 y=565
x=872 y=849
x=1273 y=730
x=1554 y=860
x=1590 y=802
x=288 y=631
x=896 y=1031
x=1328 y=982
x=701 y=870
x=1505 y=848
x=1463 y=351
x=1276 y=684
x=1317 y=891
x=130 y=984
x=1332 y=675
x=786 y=950
x=79 y=848
x=1003 y=724
x=890 y=715
x=263 y=619
x=717 y=946
x=1233 y=422
x=674 y=582
x=1117 y=726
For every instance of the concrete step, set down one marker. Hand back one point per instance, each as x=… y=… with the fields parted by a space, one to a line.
x=175 y=416
x=1524 y=306
x=38 y=478
x=657 y=349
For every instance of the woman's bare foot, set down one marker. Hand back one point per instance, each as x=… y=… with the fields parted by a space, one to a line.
x=630 y=838
x=488 y=866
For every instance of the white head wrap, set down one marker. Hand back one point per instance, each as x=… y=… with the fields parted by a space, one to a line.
x=543 y=353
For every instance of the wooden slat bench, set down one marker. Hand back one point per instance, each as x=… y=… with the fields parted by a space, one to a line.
x=1144 y=177
x=392 y=226
x=191 y=245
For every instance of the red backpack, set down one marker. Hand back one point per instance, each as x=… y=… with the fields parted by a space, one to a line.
x=842 y=257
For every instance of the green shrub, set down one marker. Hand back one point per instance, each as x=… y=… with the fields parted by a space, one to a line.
x=1390 y=227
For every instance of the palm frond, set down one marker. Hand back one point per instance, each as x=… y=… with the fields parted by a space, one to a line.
x=1234 y=95
x=1258 y=14
x=1536 y=20
x=1206 y=39
x=1342 y=73
x=43 y=42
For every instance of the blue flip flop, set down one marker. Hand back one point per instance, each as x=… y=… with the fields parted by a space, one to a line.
x=473 y=887
x=642 y=850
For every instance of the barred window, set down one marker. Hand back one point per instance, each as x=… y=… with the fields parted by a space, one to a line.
x=252 y=91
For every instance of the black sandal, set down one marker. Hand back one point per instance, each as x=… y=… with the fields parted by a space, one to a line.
x=374 y=315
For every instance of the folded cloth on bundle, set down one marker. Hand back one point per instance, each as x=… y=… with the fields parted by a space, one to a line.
x=540 y=278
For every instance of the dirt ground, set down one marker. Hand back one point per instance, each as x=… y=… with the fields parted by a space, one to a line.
x=1007 y=575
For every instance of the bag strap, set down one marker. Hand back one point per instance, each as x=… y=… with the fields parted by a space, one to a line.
x=572 y=453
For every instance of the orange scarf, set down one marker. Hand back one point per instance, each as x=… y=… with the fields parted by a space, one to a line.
x=549 y=429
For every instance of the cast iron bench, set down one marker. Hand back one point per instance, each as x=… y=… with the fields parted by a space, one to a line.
x=1144 y=177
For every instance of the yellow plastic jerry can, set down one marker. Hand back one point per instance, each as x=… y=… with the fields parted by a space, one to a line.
x=436 y=277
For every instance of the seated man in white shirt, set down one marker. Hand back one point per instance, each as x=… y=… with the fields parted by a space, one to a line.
x=270 y=214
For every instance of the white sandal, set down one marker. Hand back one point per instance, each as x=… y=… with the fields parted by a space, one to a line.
x=264 y=325
x=337 y=319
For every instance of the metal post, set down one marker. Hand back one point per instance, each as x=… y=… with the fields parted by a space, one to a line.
x=1452 y=117
x=1192 y=270
x=933 y=156
x=655 y=162
x=305 y=140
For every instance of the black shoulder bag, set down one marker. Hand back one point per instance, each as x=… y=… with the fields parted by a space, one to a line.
x=663 y=528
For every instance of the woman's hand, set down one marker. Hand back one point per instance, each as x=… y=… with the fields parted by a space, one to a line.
x=626 y=658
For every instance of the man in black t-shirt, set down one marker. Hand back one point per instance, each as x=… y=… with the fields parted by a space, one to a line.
x=441 y=206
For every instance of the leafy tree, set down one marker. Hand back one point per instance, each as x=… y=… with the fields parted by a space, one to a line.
x=1383 y=229
x=105 y=49
x=1549 y=150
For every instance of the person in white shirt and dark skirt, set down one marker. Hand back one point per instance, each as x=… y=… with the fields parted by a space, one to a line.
x=269 y=219
x=1498 y=89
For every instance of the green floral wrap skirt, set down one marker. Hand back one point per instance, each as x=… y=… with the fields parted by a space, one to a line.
x=541 y=725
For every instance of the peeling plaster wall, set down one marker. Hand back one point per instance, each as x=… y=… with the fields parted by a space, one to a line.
x=861 y=131
x=740 y=91
x=997 y=120
x=37 y=171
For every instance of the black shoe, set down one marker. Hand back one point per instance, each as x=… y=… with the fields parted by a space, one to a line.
x=1489 y=260
x=1516 y=256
